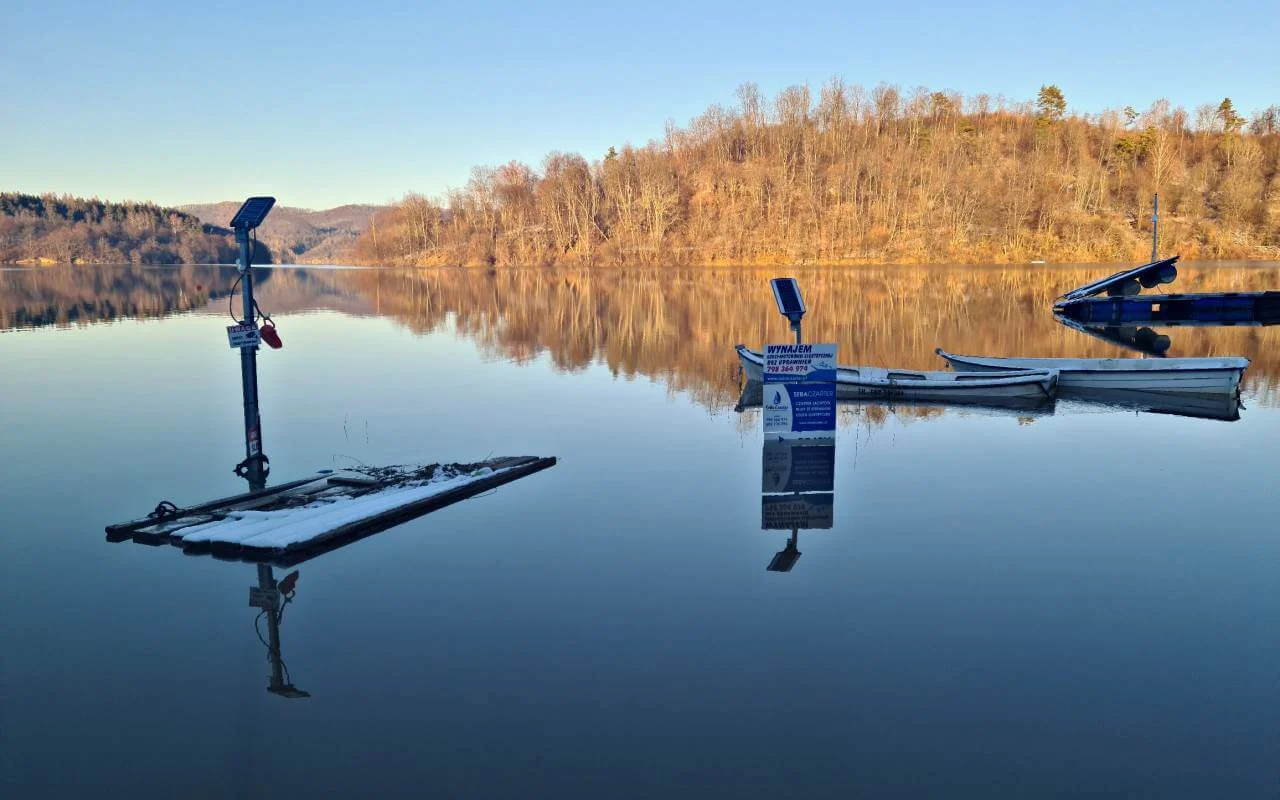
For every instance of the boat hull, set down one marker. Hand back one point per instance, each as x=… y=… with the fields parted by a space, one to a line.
x=865 y=383
x=752 y=396
x=1196 y=376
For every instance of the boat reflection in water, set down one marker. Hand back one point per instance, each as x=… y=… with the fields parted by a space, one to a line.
x=797 y=492
x=1225 y=408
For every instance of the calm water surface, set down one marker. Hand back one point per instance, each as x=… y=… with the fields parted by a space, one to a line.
x=1076 y=601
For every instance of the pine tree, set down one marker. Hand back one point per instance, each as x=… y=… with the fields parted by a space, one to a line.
x=1231 y=121
x=1051 y=103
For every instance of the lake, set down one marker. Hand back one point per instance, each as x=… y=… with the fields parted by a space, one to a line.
x=1075 y=600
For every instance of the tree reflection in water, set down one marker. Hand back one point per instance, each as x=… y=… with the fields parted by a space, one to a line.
x=676 y=325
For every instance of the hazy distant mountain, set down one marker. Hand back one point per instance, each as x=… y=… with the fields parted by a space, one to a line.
x=298 y=235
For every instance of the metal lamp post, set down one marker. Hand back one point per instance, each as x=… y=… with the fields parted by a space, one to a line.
x=256 y=465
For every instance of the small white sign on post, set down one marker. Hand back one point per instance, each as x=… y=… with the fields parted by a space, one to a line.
x=245 y=334
x=800 y=390
x=265 y=599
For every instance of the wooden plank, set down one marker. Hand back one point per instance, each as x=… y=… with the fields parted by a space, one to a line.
x=513 y=468
x=118 y=531
x=161 y=531
x=358 y=483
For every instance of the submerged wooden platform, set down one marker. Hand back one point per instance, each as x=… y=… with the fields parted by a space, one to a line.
x=298 y=520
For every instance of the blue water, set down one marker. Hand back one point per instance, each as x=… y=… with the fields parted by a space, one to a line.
x=1071 y=604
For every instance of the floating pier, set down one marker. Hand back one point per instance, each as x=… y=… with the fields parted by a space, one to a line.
x=1128 y=282
x=1208 y=308
x=1118 y=300
x=298 y=520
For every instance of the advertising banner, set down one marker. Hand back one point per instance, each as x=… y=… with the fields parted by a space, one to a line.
x=800 y=390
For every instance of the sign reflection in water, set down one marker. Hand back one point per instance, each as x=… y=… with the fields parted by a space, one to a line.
x=797 y=492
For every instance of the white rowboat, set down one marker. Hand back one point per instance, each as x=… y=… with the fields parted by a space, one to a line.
x=1205 y=376
x=857 y=383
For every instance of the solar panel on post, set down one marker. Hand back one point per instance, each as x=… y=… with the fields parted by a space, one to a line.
x=787 y=292
x=252 y=213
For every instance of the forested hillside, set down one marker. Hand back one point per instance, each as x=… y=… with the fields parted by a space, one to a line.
x=851 y=175
x=72 y=230
x=299 y=235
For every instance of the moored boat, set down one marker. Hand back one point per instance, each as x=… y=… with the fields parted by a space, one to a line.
x=751 y=396
x=1206 y=376
x=853 y=383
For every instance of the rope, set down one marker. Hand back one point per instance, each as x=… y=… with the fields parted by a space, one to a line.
x=163 y=509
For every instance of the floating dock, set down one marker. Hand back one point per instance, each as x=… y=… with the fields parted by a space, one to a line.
x=1129 y=281
x=1210 y=308
x=298 y=520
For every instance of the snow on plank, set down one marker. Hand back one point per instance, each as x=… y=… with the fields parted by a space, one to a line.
x=301 y=519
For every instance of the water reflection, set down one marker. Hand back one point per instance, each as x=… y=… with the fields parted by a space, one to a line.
x=273 y=598
x=1129 y=337
x=81 y=295
x=674 y=325
x=797 y=488
x=932 y=618
x=1223 y=407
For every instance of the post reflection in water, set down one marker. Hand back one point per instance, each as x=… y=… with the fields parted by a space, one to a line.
x=272 y=598
x=797 y=491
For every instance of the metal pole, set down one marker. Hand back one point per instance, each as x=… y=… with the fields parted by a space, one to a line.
x=795 y=326
x=253 y=459
x=1155 y=228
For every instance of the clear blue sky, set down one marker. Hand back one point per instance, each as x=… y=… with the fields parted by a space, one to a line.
x=321 y=103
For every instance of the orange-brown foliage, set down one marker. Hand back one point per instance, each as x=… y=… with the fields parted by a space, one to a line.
x=852 y=176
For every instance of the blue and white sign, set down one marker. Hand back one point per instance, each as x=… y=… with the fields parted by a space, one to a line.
x=789 y=363
x=800 y=390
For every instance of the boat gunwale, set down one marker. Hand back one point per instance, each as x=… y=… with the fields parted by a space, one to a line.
x=1136 y=365
x=1045 y=379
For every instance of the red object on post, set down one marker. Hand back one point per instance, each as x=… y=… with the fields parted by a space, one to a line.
x=269 y=335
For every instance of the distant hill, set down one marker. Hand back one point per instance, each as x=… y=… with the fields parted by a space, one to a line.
x=848 y=175
x=299 y=235
x=52 y=229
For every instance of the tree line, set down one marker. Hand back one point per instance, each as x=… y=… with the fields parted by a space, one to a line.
x=851 y=175
x=72 y=230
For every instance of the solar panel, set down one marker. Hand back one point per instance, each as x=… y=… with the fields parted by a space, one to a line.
x=787 y=292
x=784 y=560
x=252 y=213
